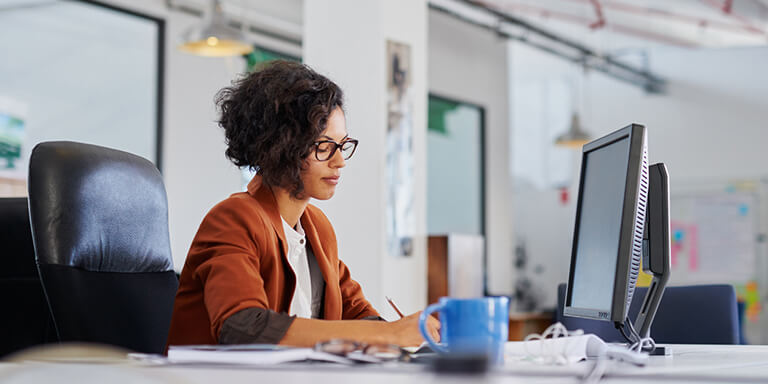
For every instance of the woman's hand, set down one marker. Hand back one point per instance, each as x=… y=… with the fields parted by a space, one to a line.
x=405 y=332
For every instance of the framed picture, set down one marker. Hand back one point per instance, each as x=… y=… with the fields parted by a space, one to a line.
x=399 y=157
x=12 y=123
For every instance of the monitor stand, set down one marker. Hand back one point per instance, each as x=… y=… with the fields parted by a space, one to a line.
x=661 y=350
x=656 y=250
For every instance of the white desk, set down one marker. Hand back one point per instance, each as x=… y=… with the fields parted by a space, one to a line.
x=690 y=363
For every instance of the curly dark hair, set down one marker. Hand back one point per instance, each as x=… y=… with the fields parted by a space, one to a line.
x=273 y=116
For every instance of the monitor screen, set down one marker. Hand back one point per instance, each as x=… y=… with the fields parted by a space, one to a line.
x=610 y=217
x=598 y=238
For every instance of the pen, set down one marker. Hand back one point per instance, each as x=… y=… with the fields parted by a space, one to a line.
x=392 y=303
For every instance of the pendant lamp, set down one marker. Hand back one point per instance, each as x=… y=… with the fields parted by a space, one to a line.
x=214 y=37
x=574 y=137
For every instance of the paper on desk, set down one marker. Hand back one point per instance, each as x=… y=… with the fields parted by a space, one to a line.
x=559 y=350
x=251 y=354
x=423 y=348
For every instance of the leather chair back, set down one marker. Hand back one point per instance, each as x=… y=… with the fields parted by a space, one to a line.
x=100 y=228
x=26 y=320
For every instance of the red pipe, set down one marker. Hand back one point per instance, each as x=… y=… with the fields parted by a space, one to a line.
x=727 y=8
x=713 y=24
x=599 y=12
x=547 y=13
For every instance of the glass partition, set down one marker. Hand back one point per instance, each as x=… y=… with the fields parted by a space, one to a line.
x=455 y=167
x=80 y=71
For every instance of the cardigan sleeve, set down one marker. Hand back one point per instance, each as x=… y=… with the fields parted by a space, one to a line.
x=255 y=326
x=230 y=270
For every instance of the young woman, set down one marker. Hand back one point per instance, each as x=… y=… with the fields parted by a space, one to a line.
x=264 y=266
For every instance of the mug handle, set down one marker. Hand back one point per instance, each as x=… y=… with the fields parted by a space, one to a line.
x=423 y=327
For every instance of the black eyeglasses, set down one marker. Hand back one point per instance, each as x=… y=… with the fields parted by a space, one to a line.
x=325 y=149
x=362 y=352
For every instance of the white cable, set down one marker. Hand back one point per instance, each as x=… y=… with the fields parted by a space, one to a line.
x=547 y=353
x=558 y=330
x=597 y=371
x=555 y=353
x=640 y=344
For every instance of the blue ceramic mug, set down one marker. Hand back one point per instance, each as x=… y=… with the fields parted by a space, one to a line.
x=470 y=326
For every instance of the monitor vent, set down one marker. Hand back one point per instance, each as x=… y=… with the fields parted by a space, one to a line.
x=637 y=240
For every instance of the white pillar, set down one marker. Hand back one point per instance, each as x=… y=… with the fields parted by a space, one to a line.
x=346 y=40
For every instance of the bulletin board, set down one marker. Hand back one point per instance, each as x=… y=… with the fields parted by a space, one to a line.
x=717 y=237
x=714 y=237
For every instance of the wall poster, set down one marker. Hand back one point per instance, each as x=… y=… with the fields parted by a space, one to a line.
x=399 y=164
x=12 y=116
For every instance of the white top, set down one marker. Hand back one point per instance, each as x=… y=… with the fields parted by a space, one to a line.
x=301 y=303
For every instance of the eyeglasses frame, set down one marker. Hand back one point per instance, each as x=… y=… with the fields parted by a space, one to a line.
x=355 y=346
x=335 y=148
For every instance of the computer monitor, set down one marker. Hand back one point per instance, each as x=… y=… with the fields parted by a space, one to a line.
x=610 y=230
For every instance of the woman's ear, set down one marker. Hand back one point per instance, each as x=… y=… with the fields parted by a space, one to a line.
x=305 y=164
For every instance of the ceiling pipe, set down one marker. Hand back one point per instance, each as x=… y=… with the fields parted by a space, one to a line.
x=626 y=30
x=600 y=22
x=500 y=23
x=727 y=10
x=727 y=6
x=660 y=13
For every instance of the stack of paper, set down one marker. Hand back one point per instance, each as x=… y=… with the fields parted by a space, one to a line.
x=251 y=354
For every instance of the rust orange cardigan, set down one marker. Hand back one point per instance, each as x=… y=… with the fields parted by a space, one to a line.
x=238 y=260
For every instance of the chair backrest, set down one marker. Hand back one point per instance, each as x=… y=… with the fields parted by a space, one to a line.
x=99 y=221
x=26 y=320
x=695 y=314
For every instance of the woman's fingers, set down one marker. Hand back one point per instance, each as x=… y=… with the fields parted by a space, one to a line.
x=434 y=328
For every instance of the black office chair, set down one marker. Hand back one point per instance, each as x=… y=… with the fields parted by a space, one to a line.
x=100 y=228
x=696 y=314
x=25 y=320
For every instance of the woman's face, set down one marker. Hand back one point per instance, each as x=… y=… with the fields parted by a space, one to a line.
x=321 y=177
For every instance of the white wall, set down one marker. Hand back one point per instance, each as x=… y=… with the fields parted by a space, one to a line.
x=469 y=64
x=709 y=127
x=346 y=40
x=712 y=123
